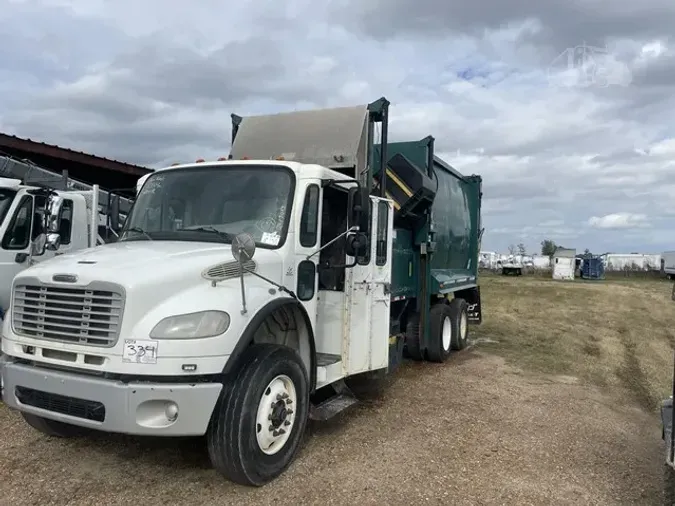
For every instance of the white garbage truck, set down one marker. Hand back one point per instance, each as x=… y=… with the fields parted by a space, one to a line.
x=242 y=294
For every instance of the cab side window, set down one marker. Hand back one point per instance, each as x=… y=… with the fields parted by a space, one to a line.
x=365 y=259
x=39 y=216
x=18 y=233
x=382 y=225
x=66 y=221
x=310 y=217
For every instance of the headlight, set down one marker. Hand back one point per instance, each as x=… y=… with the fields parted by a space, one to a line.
x=192 y=325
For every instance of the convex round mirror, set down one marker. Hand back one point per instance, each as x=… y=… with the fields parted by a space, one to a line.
x=243 y=247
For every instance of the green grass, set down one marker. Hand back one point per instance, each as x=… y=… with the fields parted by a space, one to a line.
x=617 y=333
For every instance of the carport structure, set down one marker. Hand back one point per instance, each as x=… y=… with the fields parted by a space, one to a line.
x=108 y=174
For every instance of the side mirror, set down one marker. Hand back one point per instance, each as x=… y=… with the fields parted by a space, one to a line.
x=38 y=245
x=53 y=242
x=243 y=248
x=114 y=212
x=53 y=212
x=359 y=209
x=357 y=244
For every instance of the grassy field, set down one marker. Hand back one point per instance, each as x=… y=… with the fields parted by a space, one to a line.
x=616 y=334
x=553 y=404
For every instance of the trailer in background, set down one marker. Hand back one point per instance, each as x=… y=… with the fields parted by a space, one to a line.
x=668 y=264
x=564 y=263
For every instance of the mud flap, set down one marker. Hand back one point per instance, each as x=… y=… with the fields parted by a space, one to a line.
x=474 y=310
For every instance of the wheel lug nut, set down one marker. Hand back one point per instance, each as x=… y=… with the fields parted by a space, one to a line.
x=287 y=423
x=271 y=427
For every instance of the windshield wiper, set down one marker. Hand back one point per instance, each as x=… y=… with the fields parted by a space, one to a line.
x=140 y=231
x=223 y=235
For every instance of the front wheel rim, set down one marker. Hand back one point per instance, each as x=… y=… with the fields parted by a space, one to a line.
x=275 y=418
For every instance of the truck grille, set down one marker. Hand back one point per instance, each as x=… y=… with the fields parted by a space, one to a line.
x=73 y=315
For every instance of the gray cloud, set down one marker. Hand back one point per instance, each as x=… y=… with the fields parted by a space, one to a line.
x=558 y=24
x=154 y=83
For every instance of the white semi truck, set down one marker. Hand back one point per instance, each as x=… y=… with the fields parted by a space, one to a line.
x=43 y=214
x=241 y=294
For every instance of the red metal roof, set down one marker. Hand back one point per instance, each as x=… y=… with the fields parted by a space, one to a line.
x=12 y=142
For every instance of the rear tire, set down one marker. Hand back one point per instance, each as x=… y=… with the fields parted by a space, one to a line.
x=441 y=333
x=255 y=432
x=460 y=323
x=412 y=338
x=53 y=428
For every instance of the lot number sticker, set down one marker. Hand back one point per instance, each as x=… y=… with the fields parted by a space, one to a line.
x=138 y=351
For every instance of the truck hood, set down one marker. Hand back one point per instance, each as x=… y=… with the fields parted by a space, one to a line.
x=142 y=263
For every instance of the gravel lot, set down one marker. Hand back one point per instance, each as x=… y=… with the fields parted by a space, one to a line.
x=472 y=431
x=546 y=408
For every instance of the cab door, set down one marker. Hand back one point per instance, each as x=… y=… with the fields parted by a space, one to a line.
x=380 y=284
x=367 y=301
x=15 y=244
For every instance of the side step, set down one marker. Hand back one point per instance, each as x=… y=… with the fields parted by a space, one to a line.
x=341 y=399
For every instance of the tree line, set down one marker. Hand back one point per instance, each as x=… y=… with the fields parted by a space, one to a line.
x=548 y=248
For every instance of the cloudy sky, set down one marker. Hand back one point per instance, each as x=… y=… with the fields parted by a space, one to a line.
x=565 y=107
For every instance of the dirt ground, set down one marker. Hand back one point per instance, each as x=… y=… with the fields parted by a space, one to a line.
x=555 y=403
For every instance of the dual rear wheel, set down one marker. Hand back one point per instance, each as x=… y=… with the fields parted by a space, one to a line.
x=448 y=331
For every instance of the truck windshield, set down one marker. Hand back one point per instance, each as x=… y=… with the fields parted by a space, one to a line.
x=6 y=198
x=194 y=204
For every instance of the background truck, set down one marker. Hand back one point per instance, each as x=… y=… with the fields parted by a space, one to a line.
x=668 y=264
x=512 y=266
x=244 y=295
x=80 y=217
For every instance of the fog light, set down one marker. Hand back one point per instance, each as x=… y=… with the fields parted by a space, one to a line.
x=171 y=411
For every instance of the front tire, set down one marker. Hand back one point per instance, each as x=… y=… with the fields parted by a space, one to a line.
x=53 y=428
x=260 y=419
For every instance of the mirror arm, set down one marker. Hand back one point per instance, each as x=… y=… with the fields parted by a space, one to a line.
x=281 y=288
x=346 y=266
x=351 y=229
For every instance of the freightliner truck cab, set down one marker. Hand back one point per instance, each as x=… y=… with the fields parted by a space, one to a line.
x=239 y=297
